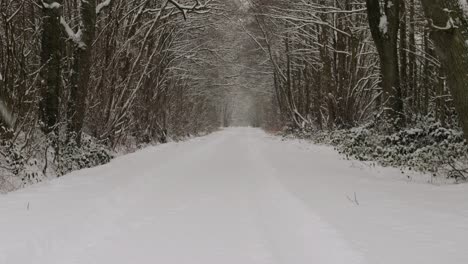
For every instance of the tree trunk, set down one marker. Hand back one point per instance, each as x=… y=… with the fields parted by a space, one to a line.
x=450 y=35
x=81 y=70
x=426 y=72
x=412 y=84
x=403 y=54
x=50 y=74
x=384 y=28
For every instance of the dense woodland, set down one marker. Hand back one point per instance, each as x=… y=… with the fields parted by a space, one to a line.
x=338 y=64
x=80 y=79
x=384 y=81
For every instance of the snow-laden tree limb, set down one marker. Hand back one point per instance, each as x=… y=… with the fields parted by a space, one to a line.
x=197 y=6
x=450 y=25
x=75 y=37
x=53 y=5
x=102 y=5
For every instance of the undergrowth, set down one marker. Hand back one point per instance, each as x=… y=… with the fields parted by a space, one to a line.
x=426 y=147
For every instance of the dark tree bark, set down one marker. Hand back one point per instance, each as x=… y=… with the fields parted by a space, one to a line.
x=81 y=69
x=327 y=85
x=412 y=83
x=289 y=83
x=318 y=98
x=403 y=52
x=384 y=20
x=426 y=84
x=51 y=82
x=450 y=34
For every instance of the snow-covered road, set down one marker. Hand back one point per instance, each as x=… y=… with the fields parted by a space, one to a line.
x=238 y=196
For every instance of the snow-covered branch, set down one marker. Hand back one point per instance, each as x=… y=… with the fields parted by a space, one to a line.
x=75 y=37
x=53 y=5
x=449 y=25
x=102 y=5
x=196 y=7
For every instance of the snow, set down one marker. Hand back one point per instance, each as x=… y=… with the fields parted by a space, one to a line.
x=383 y=25
x=102 y=5
x=53 y=5
x=75 y=37
x=6 y=115
x=235 y=196
x=464 y=7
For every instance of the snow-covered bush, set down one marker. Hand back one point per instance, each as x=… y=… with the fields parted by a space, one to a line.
x=89 y=154
x=29 y=159
x=426 y=147
x=16 y=168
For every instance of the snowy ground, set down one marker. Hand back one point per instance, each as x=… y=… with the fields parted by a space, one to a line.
x=237 y=196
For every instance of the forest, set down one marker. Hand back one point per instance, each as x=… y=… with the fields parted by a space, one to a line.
x=82 y=81
x=233 y=131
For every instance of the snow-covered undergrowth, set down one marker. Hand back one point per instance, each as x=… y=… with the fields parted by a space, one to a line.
x=426 y=147
x=27 y=159
x=23 y=159
x=90 y=154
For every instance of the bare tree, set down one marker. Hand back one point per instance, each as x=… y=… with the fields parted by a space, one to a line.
x=449 y=30
x=384 y=21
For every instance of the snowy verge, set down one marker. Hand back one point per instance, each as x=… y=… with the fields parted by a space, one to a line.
x=376 y=209
x=427 y=152
x=30 y=159
x=33 y=158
